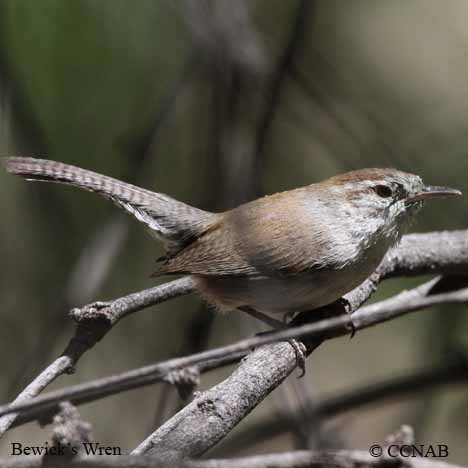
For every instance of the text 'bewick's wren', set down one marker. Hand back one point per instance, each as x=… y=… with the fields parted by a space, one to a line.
x=284 y=253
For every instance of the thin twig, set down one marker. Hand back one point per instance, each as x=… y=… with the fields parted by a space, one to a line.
x=445 y=252
x=401 y=304
x=47 y=376
x=86 y=337
x=455 y=371
x=93 y=324
x=279 y=362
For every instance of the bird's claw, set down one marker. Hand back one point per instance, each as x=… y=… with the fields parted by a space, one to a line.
x=299 y=349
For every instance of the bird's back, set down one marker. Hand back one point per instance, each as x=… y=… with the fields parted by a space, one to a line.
x=255 y=240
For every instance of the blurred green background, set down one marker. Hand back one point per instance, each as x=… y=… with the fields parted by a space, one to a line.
x=216 y=103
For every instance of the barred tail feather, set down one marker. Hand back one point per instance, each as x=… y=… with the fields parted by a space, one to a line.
x=44 y=170
x=172 y=221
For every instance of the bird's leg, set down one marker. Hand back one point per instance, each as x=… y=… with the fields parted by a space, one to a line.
x=298 y=347
x=289 y=316
x=273 y=323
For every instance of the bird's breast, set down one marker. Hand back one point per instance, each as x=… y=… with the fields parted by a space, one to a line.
x=294 y=293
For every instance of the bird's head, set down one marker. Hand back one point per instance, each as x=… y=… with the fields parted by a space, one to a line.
x=384 y=199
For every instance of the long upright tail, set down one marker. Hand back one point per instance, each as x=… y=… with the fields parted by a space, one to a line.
x=174 y=222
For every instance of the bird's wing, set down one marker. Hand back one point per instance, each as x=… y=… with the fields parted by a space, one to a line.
x=213 y=253
x=266 y=237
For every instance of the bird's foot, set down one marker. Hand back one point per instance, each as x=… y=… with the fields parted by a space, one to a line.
x=185 y=380
x=300 y=350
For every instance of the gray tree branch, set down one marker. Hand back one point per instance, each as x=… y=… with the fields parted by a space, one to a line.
x=408 y=301
x=453 y=372
x=445 y=252
x=294 y=459
x=94 y=321
x=309 y=459
x=195 y=442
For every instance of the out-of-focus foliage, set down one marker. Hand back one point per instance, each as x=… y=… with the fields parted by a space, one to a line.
x=92 y=74
x=204 y=101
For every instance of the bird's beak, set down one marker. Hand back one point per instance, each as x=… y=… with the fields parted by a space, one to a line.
x=432 y=191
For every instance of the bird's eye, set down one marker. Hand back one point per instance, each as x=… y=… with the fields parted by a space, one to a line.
x=383 y=191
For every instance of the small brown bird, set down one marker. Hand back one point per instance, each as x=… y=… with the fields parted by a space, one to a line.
x=289 y=252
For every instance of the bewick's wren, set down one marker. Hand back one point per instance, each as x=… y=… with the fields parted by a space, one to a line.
x=292 y=251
